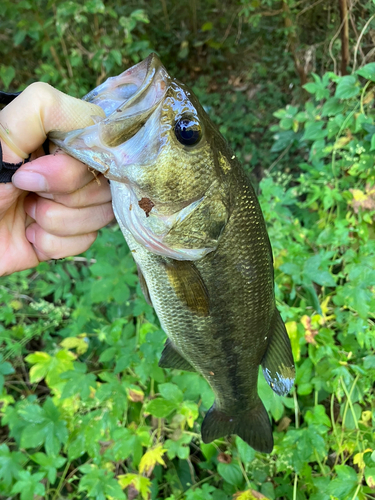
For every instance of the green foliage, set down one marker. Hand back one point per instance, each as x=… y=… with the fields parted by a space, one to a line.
x=85 y=410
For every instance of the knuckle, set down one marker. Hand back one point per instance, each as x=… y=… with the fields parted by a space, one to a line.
x=106 y=213
x=40 y=91
x=44 y=242
x=45 y=215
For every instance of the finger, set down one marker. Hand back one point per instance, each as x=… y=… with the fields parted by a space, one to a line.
x=96 y=192
x=8 y=196
x=57 y=173
x=59 y=220
x=40 y=108
x=48 y=246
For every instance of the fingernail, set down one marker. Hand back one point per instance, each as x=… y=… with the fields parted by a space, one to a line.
x=30 y=181
x=30 y=234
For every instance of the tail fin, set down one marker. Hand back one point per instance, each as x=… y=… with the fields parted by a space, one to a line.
x=253 y=426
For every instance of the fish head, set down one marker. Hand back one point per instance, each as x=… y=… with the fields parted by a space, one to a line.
x=157 y=146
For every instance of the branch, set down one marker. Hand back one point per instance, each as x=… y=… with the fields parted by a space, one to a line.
x=359 y=40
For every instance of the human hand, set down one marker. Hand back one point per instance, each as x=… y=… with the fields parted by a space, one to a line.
x=54 y=205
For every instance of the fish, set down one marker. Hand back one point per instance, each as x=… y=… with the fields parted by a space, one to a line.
x=195 y=228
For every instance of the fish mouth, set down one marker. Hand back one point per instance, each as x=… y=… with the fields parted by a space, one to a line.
x=128 y=101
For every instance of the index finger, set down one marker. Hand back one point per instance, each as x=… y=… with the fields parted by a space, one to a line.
x=57 y=173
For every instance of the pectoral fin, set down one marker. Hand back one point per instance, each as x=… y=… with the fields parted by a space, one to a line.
x=277 y=363
x=189 y=286
x=144 y=287
x=171 y=358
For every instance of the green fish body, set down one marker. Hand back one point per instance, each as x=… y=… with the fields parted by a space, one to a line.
x=194 y=225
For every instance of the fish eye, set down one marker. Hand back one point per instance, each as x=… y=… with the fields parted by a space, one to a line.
x=188 y=130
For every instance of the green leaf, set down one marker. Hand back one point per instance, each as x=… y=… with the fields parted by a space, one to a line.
x=245 y=451
x=10 y=464
x=207 y=26
x=78 y=383
x=208 y=450
x=346 y=482
x=178 y=448
x=171 y=392
x=160 y=408
x=283 y=139
x=319 y=88
x=7 y=73
x=318 y=416
x=45 y=427
x=314 y=131
x=29 y=485
x=368 y=71
x=48 y=464
x=116 y=54
x=332 y=107
x=99 y=483
x=33 y=436
x=231 y=473
x=5 y=369
x=33 y=414
x=347 y=87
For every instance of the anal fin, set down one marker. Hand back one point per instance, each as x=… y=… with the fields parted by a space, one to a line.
x=277 y=363
x=171 y=358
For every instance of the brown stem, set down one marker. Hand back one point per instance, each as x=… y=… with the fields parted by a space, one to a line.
x=292 y=38
x=344 y=36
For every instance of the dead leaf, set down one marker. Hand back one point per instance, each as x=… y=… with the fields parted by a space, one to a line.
x=283 y=424
x=310 y=333
x=364 y=200
x=224 y=458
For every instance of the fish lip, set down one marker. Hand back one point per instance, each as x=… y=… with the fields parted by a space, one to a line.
x=93 y=145
x=154 y=68
x=151 y=65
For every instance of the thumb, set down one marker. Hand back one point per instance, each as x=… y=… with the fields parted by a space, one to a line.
x=40 y=108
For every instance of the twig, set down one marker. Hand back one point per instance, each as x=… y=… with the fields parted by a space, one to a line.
x=357 y=490
x=229 y=27
x=244 y=473
x=239 y=31
x=309 y=8
x=344 y=37
x=279 y=158
x=165 y=12
x=359 y=41
x=368 y=55
x=83 y=259
x=295 y=487
x=296 y=409
x=331 y=45
x=356 y=34
x=363 y=96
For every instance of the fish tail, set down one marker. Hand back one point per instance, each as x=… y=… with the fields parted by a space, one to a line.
x=253 y=426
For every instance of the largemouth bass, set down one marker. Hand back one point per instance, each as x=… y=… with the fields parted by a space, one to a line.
x=194 y=225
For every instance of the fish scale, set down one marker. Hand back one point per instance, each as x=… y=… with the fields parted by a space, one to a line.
x=196 y=231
